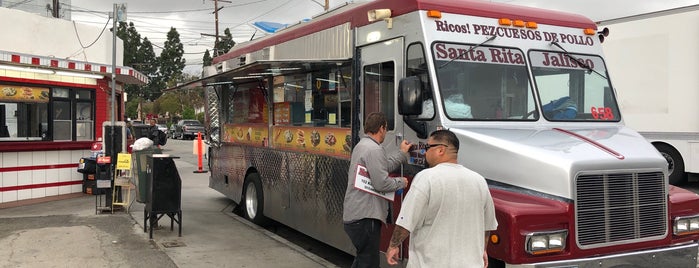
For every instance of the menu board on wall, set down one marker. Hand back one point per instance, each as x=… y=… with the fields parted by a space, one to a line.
x=282 y=113
x=23 y=94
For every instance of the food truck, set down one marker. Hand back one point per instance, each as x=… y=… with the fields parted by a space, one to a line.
x=526 y=91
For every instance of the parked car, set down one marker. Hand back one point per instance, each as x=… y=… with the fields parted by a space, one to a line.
x=188 y=129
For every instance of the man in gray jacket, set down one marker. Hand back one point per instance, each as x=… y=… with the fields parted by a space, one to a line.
x=364 y=212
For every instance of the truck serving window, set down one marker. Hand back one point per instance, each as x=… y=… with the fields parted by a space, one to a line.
x=246 y=104
x=483 y=82
x=573 y=87
x=319 y=98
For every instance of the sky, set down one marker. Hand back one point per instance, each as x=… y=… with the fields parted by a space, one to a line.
x=194 y=19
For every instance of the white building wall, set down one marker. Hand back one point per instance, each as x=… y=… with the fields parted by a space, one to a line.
x=30 y=175
x=37 y=35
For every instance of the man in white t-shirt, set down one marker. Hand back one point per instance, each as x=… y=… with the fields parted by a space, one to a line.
x=448 y=211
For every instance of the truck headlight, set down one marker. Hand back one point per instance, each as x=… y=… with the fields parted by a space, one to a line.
x=686 y=225
x=546 y=242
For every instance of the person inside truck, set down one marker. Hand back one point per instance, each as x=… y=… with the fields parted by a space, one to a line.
x=454 y=105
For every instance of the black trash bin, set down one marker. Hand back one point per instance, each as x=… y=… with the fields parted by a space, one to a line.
x=164 y=195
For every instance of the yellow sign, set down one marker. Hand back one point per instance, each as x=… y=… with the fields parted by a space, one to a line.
x=123 y=162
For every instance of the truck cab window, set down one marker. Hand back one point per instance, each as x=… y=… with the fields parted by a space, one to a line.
x=475 y=87
x=570 y=92
x=416 y=65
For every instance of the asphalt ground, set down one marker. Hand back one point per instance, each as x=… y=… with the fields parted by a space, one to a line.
x=73 y=233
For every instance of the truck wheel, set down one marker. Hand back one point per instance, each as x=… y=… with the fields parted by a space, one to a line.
x=675 y=164
x=253 y=199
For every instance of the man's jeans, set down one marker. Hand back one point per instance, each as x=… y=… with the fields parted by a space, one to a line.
x=365 y=235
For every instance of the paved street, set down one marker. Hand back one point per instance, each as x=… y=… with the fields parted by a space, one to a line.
x=69 y=233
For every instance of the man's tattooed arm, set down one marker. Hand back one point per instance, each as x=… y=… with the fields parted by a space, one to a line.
x=399 y=234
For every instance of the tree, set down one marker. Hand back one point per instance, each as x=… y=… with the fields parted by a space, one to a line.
x=171 y=61
x=170 y=103
x=132 y=42
x=148 y=65
x=207 y=58
x=225 y=44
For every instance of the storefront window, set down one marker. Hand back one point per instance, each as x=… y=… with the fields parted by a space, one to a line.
x=83 y=115
x=34 y=114
x=23 y=113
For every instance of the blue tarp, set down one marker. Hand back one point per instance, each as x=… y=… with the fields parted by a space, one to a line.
x=269 y=27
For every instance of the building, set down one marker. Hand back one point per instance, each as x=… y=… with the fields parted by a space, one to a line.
x=54 y=96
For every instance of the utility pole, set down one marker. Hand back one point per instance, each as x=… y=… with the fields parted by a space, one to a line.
x=216 y=9
x=56 y=8
x=326 y=6
x=216 y=16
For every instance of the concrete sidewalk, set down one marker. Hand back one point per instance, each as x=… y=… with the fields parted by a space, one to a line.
x=69 y=233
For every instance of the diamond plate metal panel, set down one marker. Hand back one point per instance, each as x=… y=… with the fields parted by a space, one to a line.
x=301 y=190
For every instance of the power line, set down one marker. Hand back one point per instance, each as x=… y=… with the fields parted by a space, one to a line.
x=93 y=42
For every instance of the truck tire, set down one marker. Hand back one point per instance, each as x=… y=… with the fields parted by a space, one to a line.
x=253 y=199
x=675 y=164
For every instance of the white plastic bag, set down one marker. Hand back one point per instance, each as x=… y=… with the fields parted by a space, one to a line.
x=141 y=144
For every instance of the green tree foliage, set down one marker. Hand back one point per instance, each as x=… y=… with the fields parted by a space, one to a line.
x=171 y=59
x=132 y=42
x=132 y=108
x=170 y=102
x=149 y=65
x=188 y=113
x=163 y=72
x=225 y=43
x=207 y=58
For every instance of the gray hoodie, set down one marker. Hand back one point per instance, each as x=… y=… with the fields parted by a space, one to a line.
x=359 y=204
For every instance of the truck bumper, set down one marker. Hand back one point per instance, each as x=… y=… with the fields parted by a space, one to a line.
x=684 y=255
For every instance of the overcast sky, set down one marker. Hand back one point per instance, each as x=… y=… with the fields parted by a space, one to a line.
x=192 y=18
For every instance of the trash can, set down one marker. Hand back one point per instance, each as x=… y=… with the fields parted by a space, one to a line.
x=164 y=195
x=140 y=159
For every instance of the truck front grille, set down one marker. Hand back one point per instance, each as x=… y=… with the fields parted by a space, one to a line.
x=620 y=208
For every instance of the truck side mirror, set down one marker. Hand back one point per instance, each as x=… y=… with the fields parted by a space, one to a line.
x=410 y=96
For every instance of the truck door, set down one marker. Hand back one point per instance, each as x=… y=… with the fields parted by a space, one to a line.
x=381 y=68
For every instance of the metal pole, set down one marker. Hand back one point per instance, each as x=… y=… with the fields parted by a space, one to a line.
x=114 y=37
x=216 y=17
x=112 y=155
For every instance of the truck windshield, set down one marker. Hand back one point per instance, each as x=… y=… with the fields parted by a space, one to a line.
x=571 y=91
x=483 y=83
